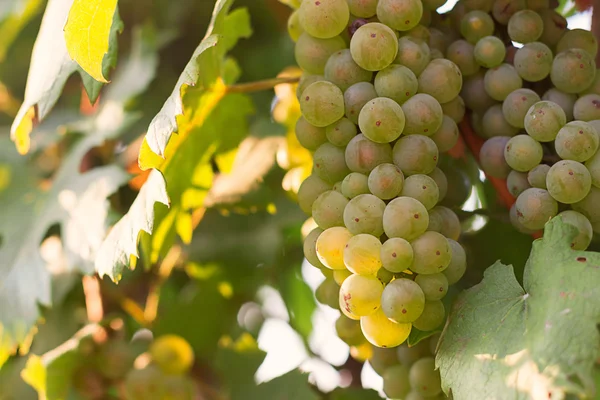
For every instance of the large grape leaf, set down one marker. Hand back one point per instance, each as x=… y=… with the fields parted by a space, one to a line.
x=532 y=342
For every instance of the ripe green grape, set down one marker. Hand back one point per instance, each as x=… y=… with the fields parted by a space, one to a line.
x=413 y=53
x=438 y=40
x=458 y=263
x=445 y=221
x=309 y=136
x=517 y=182
x=423 y=114
x=462 y=53
x=489 y=52
x=423 y=188
x=474 y=94
x=537 y=176
x=400 y=15
x=525 y=26
x=363 y=8
x=406 y=218
x=593 y=166
x=421 y=31
x=355 y=184
x=342 y=71
x=341 y=132
x=533 y=61
x=382 y=359
x=493 y=123
x=396 y=82
x=385 y=276
x=587 y=108
x=434 y=286
x=594 y=88
x=492 y=158
x=441 y=79
x=523 y=153
x=577 y=140
x=327 y=293
x=446 y=137
x=516 y=105
x=294 y=27
x=362 y=254
x=396 y=255
x=502 y=80
x=309 y=190
x=578 y=39
x=361 y=295
x=503 y=10
x=329 y=163
x=475 y=25
x=589 y=206
x=330 y=247
x=382 y=332
x=349 y=331
x=355 y=97
x=386 y=181
x=324 y=19
x=514 y=220
x=310 y=248
x=455 y=109
x=305 y=81
x=364 y=214
x=535 y=207
x=441 y=181
x=432 y=253
x=395 y=382
x=312 y=53
x=432 y=318
x=424 y=378
x=584 y=228
x=363 y=155
x=381 y=120
x=543 y=121
x=374 y=46
x=402 y=300
x=566 y=101
x=568 y=181
x=573 y=71
x=415 y=154
x=322 y=103
x=555 y=25
x=328 y=209
x=340 y=275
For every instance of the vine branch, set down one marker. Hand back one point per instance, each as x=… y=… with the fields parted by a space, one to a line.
x=258 y=86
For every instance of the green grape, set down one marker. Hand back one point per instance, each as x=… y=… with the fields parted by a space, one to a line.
x=382 y=332
x=455 y=109
x=516 y=105
x=413 y=53
x=514 y=220
x=475 y=25
x=489 y=52
x=312 y=53
x=381 y=120
x=523 y=153
x=305 y=81
x=409 y=355
x=460 y=183
x=525 y=26
x=355 y=97
x=396 y=255
x=555 y=25
x=402 y=300
x=294 y=27
x=438 y=40
x=583 y=226
x=491 y=157
x=441 y=79
x=423 y=115
x=340 y=133
x=517 y=182
x=503 y=10
x=589 y=206
x=330 y=247
x=400 y=15
x=578 y=39
x=587 y=108
x=441 y=181
x=363 y=8
x=309 y=136
x=342 y=71
x=396 y=82
x=424 y=378
x=386 y=181
x=310 y=248
x=144 y=384
x=432 y=253
x=361 y=295
x=594 y=88
x=309 y=190
x=415 y=154
x=355 y=184
x=474 y=94
x=363 y=155
x=328 y=209
x=340 y=275
x=420 y=31
x=327 y=293
x=329 y=163
x=434 y=286
x=322 y=103
x=324 y=19
x=445 y=221
x=349 y=331
x=538 y=5
x=500 y=81
x=406 y=218
x=493 y=123
x=566 y=101
x=593 y=166
x=577 y=140
x=362 y=254
x=338 y=187
x=543 y=120
x=382 y=359
x=364 y=214
x=533 y=61
x=535 y=207
x=395 y=382
x=458 y=264
x=568 y=181
x=446 y=137
x=423 y=188
x=374 y=46
x=462 y=53
x=573 y=71
x=537 y=176
x=433 y=316
x=385 y=276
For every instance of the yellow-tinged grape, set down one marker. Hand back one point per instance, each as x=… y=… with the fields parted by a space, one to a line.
x=406 y=218
x=458 y=263
x=172 y=354
x=362 y=254
x=322 y=103
x=330 y=247
x=396 y=384
x=309 y=190
x=583 y=226
x=382 y=332
x=433 y=316
x=294 y=27
x=445 y=221
x=178 y=387
x=324 y=19
x=402 y=300
x=340 y=275
x=396 y=255
x=362 y=352
x=310 y=248
x=374 y=46
x=432 y=253
x=424 y=378
x=360 y=295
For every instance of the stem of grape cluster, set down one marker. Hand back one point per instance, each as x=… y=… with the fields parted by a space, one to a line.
x=258 y=86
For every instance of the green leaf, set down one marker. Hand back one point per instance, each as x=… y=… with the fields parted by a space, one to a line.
x=532 y=342
x=299 y=300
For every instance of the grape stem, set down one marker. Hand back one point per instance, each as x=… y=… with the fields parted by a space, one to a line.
x=258 y=86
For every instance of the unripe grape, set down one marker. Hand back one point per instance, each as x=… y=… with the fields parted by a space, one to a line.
x=444 y=221
x=327 y=293
x=309 y=136
x=423 y=114
x=555 y=25
x=533 y=61
x=342 y=71
x=503 y=10
x=340 y=275
x=340 y=133
x=517 y=183
x=566 y=101
x=172 y=354
x=310 y=248
x=349 y=331
x=441 y=181
x=294 y=27
x=396 y=384
x=363 y=8
x=423 y=188
x=474 y=94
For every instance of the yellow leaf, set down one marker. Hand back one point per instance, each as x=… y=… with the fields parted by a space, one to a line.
x=21 y=134
x=87 y=34
x=35 y=375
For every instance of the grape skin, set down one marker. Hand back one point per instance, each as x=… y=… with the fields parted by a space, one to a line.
x=401 y=16
x=355 y=97
x=386 y=181
x=312 y=53
x=406 y=218
x=566 y=101
x=309 y=190
x=382 y=332
x=587 y=107
x=310 y=248
x=462 y=53
x=516 y=105
x=441 y=79
x=322 y=103
x=402 y=300
x=362 y=254
x=360 y=295
x=363 y=155
x=342 y=71
x=396 y=255
x=413 y=53
x=396 y=82
x=533 y=61
x=365 y=214
x=341 y=132
x=573 y=71
x=577 y=140
x=424 y=378
x=396 y=384
x=584 y=228
x=568 y=181
x=434 y=286
x=502 y=80
x=355 y=184
x=324 y=19
x=423 y=115
x=523 y=153
x=330 y=247
x=382 y=120
x=525 y=26
x=415 y=154
x=535 y=207
x=328 y=209
x=493 y=123
x=432 y=317
x=489 y=52
x=432 y=253
x=444 y=221
x=492 y=158
x=458 y=263
x=455 y=109
x=537 y=176
x=374 y=46
x=544 y=120
x=423 y=188
x=330 y=163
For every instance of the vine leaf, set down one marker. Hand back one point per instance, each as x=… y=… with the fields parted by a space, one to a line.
x=531 y=342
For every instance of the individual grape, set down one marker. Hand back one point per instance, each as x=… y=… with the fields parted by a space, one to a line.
x=535 y=207
x=361 y=295
x=364 y=214
x=395 y=382
x=441 y=181
x=400 y=15
x=492 y=158
x=543 y=121
x=493 y=123
x=363 y=155
x=328 y=209
x=555 y=25
x=322 y=103
x=349 y=331
x=533 y=61
x=445 y=221
x=578 y=39
x=340 y=275
x=475 y=95
x=330 y=247
x=362 y=254
x=462 y=53
x=406 y=218
x=310 y=248
x=324 y=19
x=342 y=71
x=355 y=184
x=525 y=26
x=309 y=190
x=455 y=109
x=327 y=293
x=413 y=53
x=441 y=79
x=517 y=183
x=402 y=300
x=500 y=81
x=566 y=101
x=438 y=40
x=514 y=220
x=475 y=25
x=396 y=82
x=386 y=181
x=423 y=115
x=516 y=105
x=381 y=120
x=503 y=10
x=593 y=166
x=434 y=286
x=573 y=71
x=577 y=140
x=309 y=136
x=537 y=176
x=594 y=88
x=382 y=332
x=305 y=81
x=584 y=228
x=424 y=378
x=589 y=206
x=172 y=354
x=396 y=255
x=489 y=52
x=458 y=264
x=338 y=187
x=294 y=27
x=341 y=132
x=432 y=253
x=330 y=163
x=363 y=8
x=355 y=97
x=523 y=153
x=423 y=188
x=382 y=359
x=432 y=318
x=447 y=136
x=587 y=108
x=312 y=53
x=385 y=276
x=568 y=181
x=374 y=46
x=415 y=154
